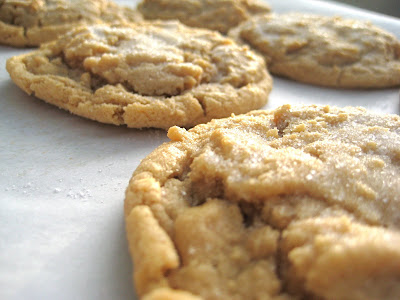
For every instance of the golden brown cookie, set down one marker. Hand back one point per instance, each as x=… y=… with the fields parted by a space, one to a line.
x=220 y=15
x=295 y=203
x=32 y=22
x=327 y=51
x=148 y=75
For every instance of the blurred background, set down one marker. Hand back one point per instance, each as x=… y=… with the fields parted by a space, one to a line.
x=388 y=7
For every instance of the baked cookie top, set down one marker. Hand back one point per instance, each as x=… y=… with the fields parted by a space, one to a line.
x=327 y=51
x=295 y=203
x=32 y=22
x=220 y=15
x=147 y=75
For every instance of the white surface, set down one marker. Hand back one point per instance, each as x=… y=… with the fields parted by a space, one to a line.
x=62 y=182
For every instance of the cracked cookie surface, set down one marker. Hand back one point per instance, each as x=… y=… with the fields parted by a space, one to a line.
x=148 y=75
x=220 y=15
x=296 y=203
x=327 y=51
x=32 y=22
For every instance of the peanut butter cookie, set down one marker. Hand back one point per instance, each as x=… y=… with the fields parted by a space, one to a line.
x=32 y=22
x=327 y=51
x=148 y=75
x=295 y=203
x=220 y=15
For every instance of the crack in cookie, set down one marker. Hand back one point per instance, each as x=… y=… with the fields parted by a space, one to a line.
x=282 y=204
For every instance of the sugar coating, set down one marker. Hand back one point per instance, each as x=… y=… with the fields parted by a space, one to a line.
x=299 y=202
x=32 y=22
x=149 y=75
x=328 y=51
x=220 y=15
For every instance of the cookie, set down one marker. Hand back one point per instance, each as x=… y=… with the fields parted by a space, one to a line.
x=32 y=22
x=326 y=51
x=149 y=75
x=300 y=202
x=220 y=15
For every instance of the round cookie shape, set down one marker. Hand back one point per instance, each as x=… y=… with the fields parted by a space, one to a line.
x=32 y=22
x=298 y=202
x=326 y=51
x=149 y=75
x=220 y=15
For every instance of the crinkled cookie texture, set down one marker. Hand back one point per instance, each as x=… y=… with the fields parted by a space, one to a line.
x=148 y=75
x=327 y=51
x=220 y=15
x=32 y=22
x=296 y=203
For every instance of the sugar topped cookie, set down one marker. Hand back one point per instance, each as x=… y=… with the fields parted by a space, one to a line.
x=220 y=15
x=148 y=75
x=299 y=202
x=327 y=51
x=32 y=22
